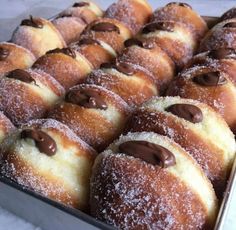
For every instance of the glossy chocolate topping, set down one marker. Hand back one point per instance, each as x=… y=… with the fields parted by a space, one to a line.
x=21 y=75
x=87 y=98
x=222 y=53
x=186 y=111
x=88 y=41
x=80 y=4
x=68 y=51
x=137 y=42
x=33 y=22
x=230 y=25
x=151 y=153
x=105 y=27
x=122 y=67
x=155 y=26
x=210 y=79
x=4 y=53
x=179 y=4
x=43 y=141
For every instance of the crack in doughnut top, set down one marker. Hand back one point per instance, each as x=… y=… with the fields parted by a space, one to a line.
x=189 y=112
x=129 y=193
x=47 y=157
x=138 y=42
x=68 y=51
x=86 y=98
x=149 y=152
x=43 y=141
x=80 y=4
x=161 y=26
x=183 y=4
x=34 y=22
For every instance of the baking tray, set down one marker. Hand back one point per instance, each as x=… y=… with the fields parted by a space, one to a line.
x=49 y=214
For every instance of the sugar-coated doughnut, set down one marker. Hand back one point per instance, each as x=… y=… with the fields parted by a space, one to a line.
x=6 y=126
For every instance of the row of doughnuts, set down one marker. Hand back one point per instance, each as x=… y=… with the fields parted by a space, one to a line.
x=143 y=180
x=210 y=76
x=58 y=162
x=173 y=161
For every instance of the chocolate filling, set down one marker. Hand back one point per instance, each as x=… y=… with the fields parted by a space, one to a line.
x=230 y=25
x=105 y=27
x=21 y=75
x=43 y=141
x=67 y=51
x=80 y=4
x=155 y=26
x=88 y=41
x=186 y=111
x=87 y=98
x=151 y=153
x=4 y=53
x=210 y=79
x=32 y=22
x=137 y=42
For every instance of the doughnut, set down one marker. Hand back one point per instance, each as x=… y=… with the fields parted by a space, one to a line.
x=13 y=57
x=47 y=157
x=109 y=31
x=151 y=57
x=231 y=13
x=208 y=85
x=37 y=35
x=196 y=127
x=145 y=181
x=223 y=58
x=133 y=84
x=71 y=22
x=95 y=114
x=222 y=35
x=66 y=65
x=175 y=38
x=28 y=94
x=6 y=126
x=182 y=12
x=96 y=52
x=133 y=13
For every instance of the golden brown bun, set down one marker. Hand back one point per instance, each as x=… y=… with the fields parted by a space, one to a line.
x=133 y=13
x=133 y=84
x=151 y=57
x=224 y=59
x=231 y=13
x=109 y=31
x=130 y=193
x=38 y=35
x=14 y=57
x=95 y=114
x=196 y=127
x=6 y=126
x=175 y=38
x=57 y=166
x=182 y=12
x=66 y=65
x=28 y=94
x=209 y=85
x=222 y=35
x=96 y=52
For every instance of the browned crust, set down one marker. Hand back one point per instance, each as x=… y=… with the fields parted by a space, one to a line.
x=115 y=40
x=96 y=54
x=132 y=13
x=148 y=59
x=221 y=98
x=185 y=15
x=131 y=92
x=66 y=70
x=210 y=158
x=128 y=193
x=90 y=124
